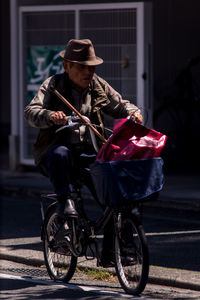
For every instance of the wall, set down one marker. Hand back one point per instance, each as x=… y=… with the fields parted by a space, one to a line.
x=176 y=112
x=176 y=39
x=176 y=30
x=4 y=72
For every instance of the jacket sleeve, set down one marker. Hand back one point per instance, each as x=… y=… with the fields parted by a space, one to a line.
x=118 y=108
x=37 y=113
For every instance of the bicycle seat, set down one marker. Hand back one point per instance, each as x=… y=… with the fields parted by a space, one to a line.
x=87 y=159
x=52 y=196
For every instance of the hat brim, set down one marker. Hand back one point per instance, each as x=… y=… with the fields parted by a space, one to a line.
x=92 y=62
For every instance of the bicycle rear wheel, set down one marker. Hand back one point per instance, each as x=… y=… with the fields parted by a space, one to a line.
x=59 y=260
x=131 y=255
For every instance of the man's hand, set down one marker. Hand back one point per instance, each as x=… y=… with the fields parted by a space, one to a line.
x=137 y=117
x=59 y=118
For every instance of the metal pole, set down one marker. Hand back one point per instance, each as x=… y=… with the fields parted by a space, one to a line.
x=78 y=114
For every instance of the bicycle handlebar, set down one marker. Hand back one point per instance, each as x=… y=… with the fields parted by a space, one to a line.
x=73 y=124
x=78 y=113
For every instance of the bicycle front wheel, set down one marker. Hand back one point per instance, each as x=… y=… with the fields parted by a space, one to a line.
x=60 y=262
x=131 y=254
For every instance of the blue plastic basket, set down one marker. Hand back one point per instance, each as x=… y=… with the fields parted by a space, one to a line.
x=121 y=182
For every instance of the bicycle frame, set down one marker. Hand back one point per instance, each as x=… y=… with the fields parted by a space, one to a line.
x=70 y=238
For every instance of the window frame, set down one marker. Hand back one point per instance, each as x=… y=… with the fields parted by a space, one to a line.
x=17 y=126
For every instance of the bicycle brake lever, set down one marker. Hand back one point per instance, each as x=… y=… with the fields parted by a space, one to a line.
x=66 y=126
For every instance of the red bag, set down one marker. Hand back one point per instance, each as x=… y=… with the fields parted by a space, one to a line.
x=131 y=140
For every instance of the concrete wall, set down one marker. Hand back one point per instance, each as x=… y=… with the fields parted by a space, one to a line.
x=176 y=28
x=4 y=72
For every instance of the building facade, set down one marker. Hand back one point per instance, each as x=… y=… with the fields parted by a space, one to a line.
x=151 y=56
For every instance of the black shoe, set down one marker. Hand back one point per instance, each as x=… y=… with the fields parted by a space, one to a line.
x=128 y=255
x=106 y=262
x=127 y=261
x=107 y=259
x=66 y=209
x=70 y=210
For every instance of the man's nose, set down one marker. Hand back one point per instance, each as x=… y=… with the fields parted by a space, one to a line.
x=90 y=69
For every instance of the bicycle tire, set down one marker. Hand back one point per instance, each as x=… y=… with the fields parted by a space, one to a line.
x=131 y=255
x=60 y=262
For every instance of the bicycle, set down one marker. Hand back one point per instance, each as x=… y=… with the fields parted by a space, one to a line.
x=64 y=243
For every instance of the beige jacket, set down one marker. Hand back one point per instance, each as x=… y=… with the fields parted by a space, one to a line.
x=100 y=99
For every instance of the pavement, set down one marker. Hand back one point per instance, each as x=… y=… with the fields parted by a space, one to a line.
x=181 y=191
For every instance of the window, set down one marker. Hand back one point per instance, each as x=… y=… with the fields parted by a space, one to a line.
x=117 y=31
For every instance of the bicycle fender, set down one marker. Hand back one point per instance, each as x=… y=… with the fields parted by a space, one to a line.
x=52 y=206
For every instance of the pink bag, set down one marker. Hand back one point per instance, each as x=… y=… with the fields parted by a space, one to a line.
x=131 y=140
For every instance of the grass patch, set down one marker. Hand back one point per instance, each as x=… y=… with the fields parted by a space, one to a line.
x=98 y=274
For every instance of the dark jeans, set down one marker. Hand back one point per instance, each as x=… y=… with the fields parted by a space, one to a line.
x=61 y=165
x=57 y=164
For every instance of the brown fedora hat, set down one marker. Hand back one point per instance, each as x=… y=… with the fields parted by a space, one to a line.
x=82 y=52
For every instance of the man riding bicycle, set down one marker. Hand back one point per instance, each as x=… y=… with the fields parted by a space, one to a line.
x=55 y=154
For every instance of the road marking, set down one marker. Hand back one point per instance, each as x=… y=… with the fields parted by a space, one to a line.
x=71 y=286
x=165 y=233
x=21 y=241
x=173 y=233
x=35 y=240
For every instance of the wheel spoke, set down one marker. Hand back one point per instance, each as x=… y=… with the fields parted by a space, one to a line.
x=60 y=263
x=131 y=256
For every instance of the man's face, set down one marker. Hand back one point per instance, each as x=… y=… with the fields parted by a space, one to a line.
x=80 y=75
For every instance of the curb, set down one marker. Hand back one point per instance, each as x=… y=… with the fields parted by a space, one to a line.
x=151 y=280
x=172 y=196
x=162 y=202
x=23 y=191
x=174 y=283
x=32 y=192
x=176 y=204
x=35 y=262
